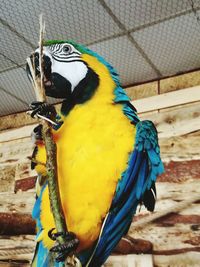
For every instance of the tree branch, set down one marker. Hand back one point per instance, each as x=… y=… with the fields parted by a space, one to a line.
x=51 y=150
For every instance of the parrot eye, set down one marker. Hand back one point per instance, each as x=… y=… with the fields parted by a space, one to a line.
x=67 y=49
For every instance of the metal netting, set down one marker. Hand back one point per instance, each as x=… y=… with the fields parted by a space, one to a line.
x=144 y=40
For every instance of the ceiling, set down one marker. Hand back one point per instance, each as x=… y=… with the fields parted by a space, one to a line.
x=143 y=39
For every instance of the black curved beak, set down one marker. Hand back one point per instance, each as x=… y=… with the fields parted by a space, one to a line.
x=55 y=85
x=35 y=62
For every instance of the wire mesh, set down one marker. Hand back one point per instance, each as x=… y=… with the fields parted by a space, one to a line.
x=138 y=14
x=171 y=52
x=143 y=40
x=123 y=55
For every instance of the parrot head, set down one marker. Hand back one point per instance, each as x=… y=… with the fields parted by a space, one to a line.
x=67 y=74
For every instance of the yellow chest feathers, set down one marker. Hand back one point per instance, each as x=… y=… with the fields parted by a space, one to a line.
x=93 y=147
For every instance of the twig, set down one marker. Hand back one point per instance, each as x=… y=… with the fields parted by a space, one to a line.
x=41 y=60
x=51 y=162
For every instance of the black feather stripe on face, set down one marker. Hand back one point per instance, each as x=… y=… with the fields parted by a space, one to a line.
x=82 y=92
x=86 y=87
x=59 y=88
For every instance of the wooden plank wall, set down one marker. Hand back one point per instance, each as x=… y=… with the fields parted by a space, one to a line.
x=174 y=228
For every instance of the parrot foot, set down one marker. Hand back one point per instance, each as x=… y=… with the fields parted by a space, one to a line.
x=64 y=250
x=43 y=109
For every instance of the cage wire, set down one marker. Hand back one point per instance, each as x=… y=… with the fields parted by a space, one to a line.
x=144 y=40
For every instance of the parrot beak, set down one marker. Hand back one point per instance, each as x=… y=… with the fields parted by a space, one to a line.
x=47 y=69
x=55 y=85
x=47 y=82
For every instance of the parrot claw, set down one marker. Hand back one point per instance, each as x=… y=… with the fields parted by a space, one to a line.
x=54 y=236
x=64 y=250
x=38 y=108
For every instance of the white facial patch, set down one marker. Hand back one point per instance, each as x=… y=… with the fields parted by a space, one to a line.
x=67 y=64
x=74 y=71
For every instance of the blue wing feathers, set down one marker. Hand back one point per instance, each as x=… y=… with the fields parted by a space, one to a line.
x=141 y=178
x=153 y=157
x=114 y=239
x=127 y=180
x=36 y=208
x=143 y=168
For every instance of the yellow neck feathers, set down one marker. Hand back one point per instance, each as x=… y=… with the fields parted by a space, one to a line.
x=106 y=86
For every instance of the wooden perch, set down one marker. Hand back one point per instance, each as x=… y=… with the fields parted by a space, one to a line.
x=51 y=152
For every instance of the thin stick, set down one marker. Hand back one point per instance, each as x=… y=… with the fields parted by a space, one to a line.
x=41 y=60
x=51 y=163
x=36 y=87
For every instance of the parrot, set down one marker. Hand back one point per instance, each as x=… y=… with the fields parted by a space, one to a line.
x=107 y=158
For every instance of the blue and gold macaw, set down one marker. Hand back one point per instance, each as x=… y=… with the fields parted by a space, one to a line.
x=107 y=159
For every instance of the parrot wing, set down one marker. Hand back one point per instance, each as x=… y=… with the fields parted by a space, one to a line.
x=136 y=185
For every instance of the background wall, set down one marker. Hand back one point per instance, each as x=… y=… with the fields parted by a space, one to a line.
x=173 y=104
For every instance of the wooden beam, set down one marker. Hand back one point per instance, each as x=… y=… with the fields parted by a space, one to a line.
x=174 y=180
x=23 y=224
x=16 y=224
x=14 y=263
x=147 y=104
x=174 y=218
x=169 y=194
x=130 y=261
x=16 y=134
x=184 y=259
x=129 y=245
x=19 y=203
x=180 y=82
x=142 y=90
x=16 y=152
x=25 y=184
x=15 y=120
x=167 y=100
x=169 y=238
x=180 y=148
x=175 y=172
x=176 y=121
x=7 y=178
x=20 y=247
x=180 y=171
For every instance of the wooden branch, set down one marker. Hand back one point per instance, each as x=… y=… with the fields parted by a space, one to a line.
x=41 y=60
x=50 y=146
